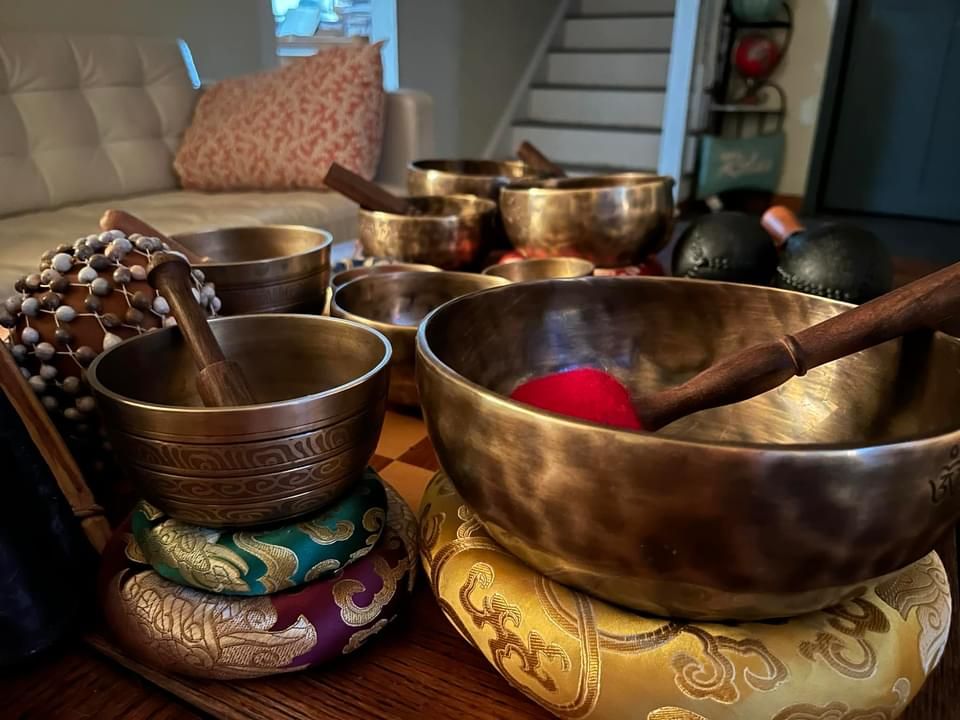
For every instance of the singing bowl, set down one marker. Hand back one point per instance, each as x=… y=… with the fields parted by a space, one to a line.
x=541 y=269
x=394 y=304
x=611 y=220
x=266 y=268
x=772 y=507
x=321 y=387
x=342 y=278
x=452 y=232
x=483 y=178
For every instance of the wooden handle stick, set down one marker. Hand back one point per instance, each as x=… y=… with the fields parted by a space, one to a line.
x=220 y=382
x=129 y=224
x=366 y=194
x=54 y=450
x=781 y=223
x=924 y=303
x=531 y=155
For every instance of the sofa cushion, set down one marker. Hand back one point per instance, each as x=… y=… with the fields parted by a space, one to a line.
x=282 y=129
x=25 y=237
x=85 y=117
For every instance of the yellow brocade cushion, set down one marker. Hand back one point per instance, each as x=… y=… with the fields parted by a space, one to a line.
x=577 y=656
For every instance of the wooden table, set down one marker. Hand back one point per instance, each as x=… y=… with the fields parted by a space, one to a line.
x=419 y=668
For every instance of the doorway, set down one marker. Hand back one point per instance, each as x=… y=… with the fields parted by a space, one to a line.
x=889 y=134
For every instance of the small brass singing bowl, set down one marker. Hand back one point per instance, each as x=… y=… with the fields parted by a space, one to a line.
x=265 y=268
x=482 y=178
x=342 y=278
x=451 y=232
x=394 y=304
x=542 y=269
x=772 y=507
x=321 y=388
x=611 y=220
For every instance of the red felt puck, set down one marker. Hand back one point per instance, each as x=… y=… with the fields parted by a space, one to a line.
x=584 y=393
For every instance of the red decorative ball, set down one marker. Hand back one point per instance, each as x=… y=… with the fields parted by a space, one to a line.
x=756 y=55
x=584 y=393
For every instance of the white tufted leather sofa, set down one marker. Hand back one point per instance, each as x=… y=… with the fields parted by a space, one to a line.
x=91 y=122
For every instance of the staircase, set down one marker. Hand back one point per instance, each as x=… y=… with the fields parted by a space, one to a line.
x=596 y=100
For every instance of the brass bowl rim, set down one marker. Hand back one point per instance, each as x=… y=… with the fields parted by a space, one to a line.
x=327 y=242
x=486 y=205
x=528 y=171
x=407 y=267
x=491 y=269
x=391 y=327
x=116 y=397
x=581 y=184
x=613 y=433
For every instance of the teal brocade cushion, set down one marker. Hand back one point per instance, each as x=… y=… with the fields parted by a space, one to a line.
x=266 y=560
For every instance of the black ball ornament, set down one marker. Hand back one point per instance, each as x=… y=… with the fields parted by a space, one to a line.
x=730 y=246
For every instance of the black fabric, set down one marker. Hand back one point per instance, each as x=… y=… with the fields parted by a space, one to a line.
x=46 y=565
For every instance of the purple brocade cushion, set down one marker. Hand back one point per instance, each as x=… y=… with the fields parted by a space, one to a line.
x=218 y=636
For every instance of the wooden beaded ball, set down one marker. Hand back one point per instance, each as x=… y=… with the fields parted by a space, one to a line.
x=84 y=299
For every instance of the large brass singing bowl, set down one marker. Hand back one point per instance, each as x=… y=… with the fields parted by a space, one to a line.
x=483 y=178
x=541 y=269
x=611 y=220
x=322 y=387
x=394 y=304
x=452 y=232
x=267 y=268
x=772 y=507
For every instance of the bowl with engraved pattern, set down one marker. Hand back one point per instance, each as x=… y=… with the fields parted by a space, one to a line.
x=779 y=505
x=265 y=268
x=320 y=384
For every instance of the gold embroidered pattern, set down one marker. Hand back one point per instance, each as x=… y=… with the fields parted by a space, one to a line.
x=471 y=523
x=149 y=511
x=372 y=520
x=221 y=635
x=317 y=531
x=344 y=590
x=497 y=613
x=133 y=551
x=713 y=675
x=360 y=636
x=281 y=563
x=321 y=568
x=404 y=524
x=925 y=588
x=853 y=619
x=674 y=713
x=842 y=711
x=194 y=552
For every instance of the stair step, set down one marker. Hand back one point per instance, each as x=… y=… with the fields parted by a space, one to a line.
x=650 y=32
x=607 y=68
x=591 y=145
x=597 y=146
x=616 y=107
x=607 y=7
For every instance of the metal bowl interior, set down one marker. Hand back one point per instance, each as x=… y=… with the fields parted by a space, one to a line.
x=611 y=220
x=476 y=168
x=542 y=269
x=320 y=386
x=265 y=268
x=451 y=232
x=342 y=278
x=395 y=304
x=769 y=507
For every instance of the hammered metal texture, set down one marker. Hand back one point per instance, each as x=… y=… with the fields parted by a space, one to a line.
x=768 y=507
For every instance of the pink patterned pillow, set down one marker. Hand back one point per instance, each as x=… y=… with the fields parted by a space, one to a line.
x=282 y=129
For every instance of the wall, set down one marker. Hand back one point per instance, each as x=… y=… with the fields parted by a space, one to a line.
x=469 y=55
x=226 y=37
x=801 y=76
